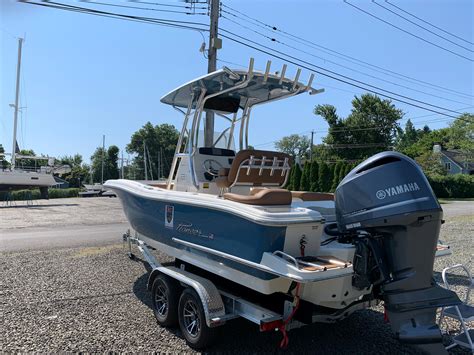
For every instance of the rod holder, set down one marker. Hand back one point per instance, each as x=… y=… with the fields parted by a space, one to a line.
x=250 y=72
x=283 y=71
x=310 y=81
x=297 y=76
x=267 y=71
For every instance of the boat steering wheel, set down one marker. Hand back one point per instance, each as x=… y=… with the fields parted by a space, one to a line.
x=211 y=167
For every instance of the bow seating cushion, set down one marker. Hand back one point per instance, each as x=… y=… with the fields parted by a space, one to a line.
x=264 y=197
x=312 y=196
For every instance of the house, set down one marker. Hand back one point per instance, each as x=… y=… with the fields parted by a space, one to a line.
x=454 y=161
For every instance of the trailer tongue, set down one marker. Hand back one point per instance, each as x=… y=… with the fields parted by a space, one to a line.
x=387 y=208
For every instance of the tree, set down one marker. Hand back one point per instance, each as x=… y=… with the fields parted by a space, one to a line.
x=431 y=163
x=461 y=136
x=348 y=169
x=336 y=176
x=425 y=143
x=407 y=137
x=342 y=171
x=305 y=184
x=325 y=177
x=160 y=142
x=314 y=176
x=371 y=127
x=110 y=157
x=410 y=136
x=3 y=162
x=79 y=173
x=295 y=178
x=294 y=145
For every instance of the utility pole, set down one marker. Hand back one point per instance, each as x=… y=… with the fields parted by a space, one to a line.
x=214 y=44
x=311 y=148
x=17 y=98
x=103 y=157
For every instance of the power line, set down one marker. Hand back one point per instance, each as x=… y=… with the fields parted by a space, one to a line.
x=341 y=65
x=341 y=80
x=426 y=29
x=428 y=23
x=299 y=61
x=181 y=6
x=144 y=8
x=407 y=32
x=337 y=54
x=174 y=24
x=140 y=19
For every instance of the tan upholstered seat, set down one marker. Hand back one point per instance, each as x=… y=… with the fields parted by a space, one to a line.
x=312 y=196
x=264 y=197
x=254 y=176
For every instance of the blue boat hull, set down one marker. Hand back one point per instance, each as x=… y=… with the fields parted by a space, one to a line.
x=161 y=221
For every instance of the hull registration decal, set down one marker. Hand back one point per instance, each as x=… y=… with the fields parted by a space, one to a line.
x=169 y=216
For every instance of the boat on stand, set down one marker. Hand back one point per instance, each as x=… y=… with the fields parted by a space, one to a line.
x=18 y=176
x=225 y=216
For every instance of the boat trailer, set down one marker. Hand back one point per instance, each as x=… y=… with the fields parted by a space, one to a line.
x=211 y=306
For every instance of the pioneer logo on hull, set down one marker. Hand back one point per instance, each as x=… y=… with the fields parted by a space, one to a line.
x=397 y=190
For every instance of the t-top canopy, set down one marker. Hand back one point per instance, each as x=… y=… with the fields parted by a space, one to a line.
x=228 y=90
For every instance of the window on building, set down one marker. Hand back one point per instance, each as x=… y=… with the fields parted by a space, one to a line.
x=447 y=166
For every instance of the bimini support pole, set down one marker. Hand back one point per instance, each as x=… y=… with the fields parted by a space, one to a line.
x=180 y=142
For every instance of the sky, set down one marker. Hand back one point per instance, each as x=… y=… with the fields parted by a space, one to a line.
x=85 y=76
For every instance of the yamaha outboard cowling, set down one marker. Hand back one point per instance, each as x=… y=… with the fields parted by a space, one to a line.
x=387 y=208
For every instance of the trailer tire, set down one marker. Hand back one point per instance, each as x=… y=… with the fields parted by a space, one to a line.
x=165 y=294
x=192 y=321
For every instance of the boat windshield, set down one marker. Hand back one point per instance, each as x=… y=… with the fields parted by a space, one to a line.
x=222 y=139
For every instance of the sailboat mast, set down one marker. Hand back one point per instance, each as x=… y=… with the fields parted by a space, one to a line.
x=17 y=98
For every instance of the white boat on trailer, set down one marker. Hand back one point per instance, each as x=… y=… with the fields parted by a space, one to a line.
x=226 y=218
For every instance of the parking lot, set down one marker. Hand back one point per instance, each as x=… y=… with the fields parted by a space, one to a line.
x=67 y=285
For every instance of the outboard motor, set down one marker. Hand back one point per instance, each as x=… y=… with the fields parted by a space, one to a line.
x=386 y=207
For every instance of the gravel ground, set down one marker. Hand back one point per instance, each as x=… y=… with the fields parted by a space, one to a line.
x=94 y=299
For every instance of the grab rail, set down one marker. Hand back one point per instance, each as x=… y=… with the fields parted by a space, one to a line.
x=287 y=257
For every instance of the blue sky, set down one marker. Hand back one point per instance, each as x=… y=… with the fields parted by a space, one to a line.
x=84 y=76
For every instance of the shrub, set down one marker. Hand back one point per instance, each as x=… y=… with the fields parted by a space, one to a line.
x=295 y=178
x=64 y=193
x=314 y=176
x=336 y=176
x=305 y=184
x=452 y=186
x=325 y=177
x=342 y=171
x=34 y=194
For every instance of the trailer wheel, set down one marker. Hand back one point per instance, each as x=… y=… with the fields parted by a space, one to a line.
x=165 y=293
x=193 y=322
